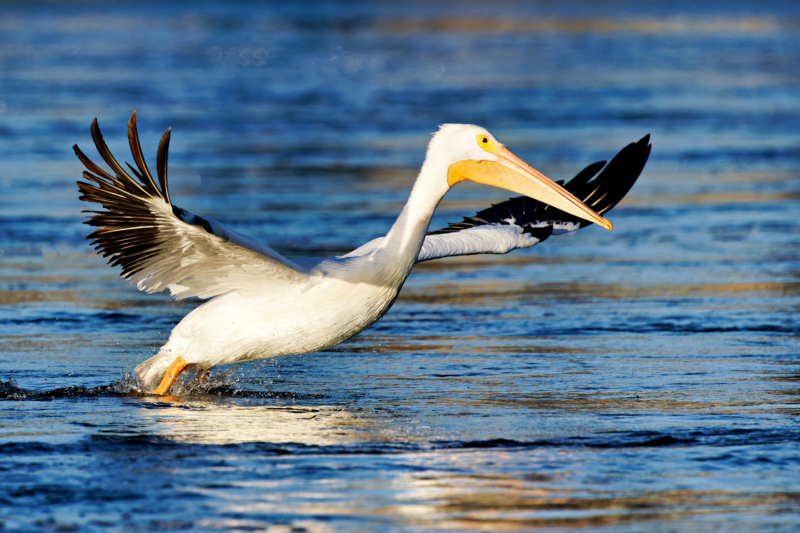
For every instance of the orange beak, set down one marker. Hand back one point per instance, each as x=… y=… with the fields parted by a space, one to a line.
x=512 y=173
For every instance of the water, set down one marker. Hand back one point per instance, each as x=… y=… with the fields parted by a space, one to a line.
x=644 y=379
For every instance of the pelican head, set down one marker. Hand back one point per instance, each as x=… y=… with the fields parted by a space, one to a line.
x=472 y=153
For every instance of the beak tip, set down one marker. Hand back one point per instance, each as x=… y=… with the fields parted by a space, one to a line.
x=608 y=225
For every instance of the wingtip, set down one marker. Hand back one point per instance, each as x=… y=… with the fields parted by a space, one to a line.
x=96 y=134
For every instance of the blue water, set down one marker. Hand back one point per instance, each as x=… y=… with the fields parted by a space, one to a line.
x=644 y=379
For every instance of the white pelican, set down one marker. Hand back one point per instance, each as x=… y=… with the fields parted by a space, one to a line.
x=263 y=305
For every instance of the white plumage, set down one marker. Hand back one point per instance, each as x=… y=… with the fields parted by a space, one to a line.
x=264 y=305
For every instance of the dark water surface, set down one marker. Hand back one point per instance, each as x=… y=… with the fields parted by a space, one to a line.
x=645 y=379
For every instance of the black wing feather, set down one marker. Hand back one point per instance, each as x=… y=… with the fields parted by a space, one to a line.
x=127 y=232
x=136 y=150
x=161 y=163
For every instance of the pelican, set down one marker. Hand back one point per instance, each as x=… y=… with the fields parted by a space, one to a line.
x=261 y=304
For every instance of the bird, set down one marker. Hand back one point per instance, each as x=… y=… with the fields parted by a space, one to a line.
x=261 y=304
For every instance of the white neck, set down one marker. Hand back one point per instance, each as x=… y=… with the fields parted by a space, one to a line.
x=388 y=260
x=398 y=251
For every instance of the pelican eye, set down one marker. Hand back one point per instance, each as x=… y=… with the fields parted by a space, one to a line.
x=487 y=144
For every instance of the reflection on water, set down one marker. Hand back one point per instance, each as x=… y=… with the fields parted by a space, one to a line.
x=672 y=25
x=501 y=293
x=205 y=421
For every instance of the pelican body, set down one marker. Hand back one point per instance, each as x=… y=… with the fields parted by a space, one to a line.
x=263 y=305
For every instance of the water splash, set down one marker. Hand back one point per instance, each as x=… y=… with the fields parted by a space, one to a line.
x=10 y=390
x=223 y=383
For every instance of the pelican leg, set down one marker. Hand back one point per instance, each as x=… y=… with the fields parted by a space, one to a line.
x=200 y=378
x=172 y=372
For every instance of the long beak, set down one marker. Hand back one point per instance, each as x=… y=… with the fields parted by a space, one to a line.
x=512 y=173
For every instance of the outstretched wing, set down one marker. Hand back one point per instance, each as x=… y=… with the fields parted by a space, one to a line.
x=161 y=246
x=522 y=222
